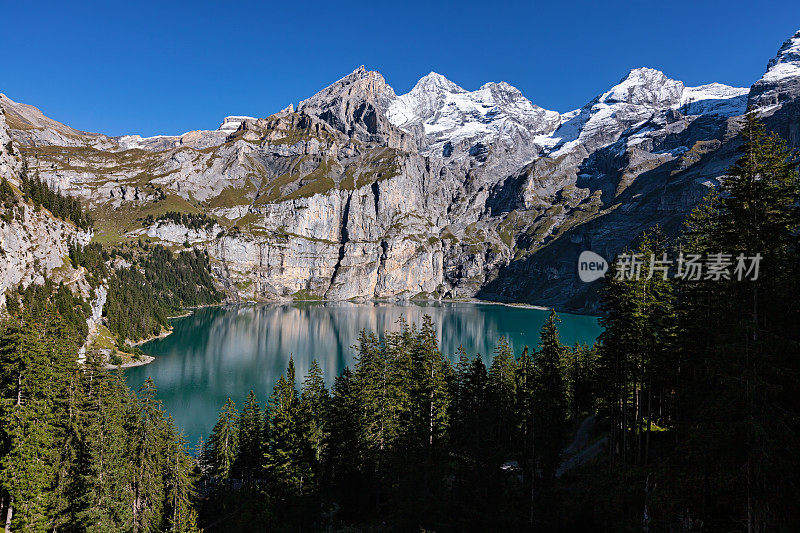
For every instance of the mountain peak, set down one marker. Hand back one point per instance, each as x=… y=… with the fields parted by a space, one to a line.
x=354 y=104
x=645 y=86
x=789 y=52
x=361 y=83
x=436 y=82
x=786 y=63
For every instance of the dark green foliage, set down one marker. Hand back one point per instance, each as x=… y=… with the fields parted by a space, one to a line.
x=157 y=285
x=8 y=200
x=636 y=374
x=39 y=193
x=405 y=438
x=41 y=300
x=250 y=453
x=222 y=448
x=287 y=453
x=314 y=405
x=195 y=221
x=582 y=378
x=549 y=399
x=502 y=392
x=79 y=451
x=740 y=349
x=714 y=362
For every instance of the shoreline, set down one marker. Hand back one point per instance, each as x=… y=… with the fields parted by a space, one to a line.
x=167 y=332
x=147 y=359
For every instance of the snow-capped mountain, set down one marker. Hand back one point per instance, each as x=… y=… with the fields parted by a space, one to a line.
x=786 y=64
x=782 y=78
x=644 y=95
x=441 y=112
x=442 y=191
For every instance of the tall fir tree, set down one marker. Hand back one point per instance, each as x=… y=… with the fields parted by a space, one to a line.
x=501 y=384
x=314 y=405
x=285 y=457
x=250 y=444
x=222 y=447
x=549 y=402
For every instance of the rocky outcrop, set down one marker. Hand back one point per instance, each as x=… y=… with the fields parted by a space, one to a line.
x=356 y=106
x=775 y=95
x=441 y=192
x=781 y=82
x=9 y=161
x=33 y=243
x=178 y=234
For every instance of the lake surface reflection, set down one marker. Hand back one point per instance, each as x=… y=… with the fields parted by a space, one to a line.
x=227 y=351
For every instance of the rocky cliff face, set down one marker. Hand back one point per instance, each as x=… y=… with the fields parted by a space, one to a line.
x=33 y=243
x=10 y=162
x=443 y=192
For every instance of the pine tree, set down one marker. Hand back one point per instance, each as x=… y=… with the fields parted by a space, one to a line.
x=477 y=408
x=501 y=384
x=180 y=483
x=549 y=399
x=78 y=451
x=582 y=380
x=314 y=405
x=636 y=362
x=433 y=385
x=740 y=341
x=285 y=456
x=223 y=443
x=35 y=356
x=372 y=382
x=99 y=478
x=458 y=408
x=145 y=423
x=343 y=449
x=250 y=443
x=525 y=418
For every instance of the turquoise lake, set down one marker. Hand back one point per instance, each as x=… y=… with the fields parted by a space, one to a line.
x=225 y=351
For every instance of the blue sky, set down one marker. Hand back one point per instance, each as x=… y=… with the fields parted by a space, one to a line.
x=169 y=67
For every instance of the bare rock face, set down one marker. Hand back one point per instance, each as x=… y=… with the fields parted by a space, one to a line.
x=9 y=161
x=356 y=106
x=33 y=243
x=441 y=192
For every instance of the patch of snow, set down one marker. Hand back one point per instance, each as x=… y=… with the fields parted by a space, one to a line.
x=714 y=99
x=782 y=71
x=446 y=112
x=232 y=123
x=680 y=150
x=786 y=64
x=644 y=86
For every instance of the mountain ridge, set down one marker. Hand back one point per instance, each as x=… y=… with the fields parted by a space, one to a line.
x=439 y=192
